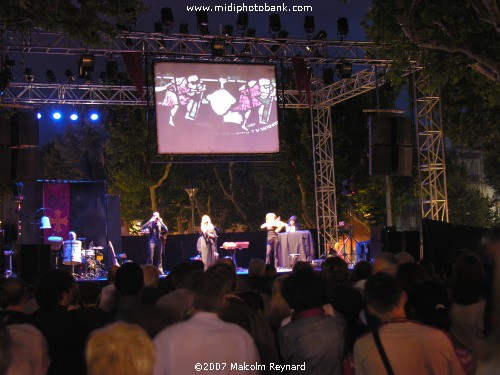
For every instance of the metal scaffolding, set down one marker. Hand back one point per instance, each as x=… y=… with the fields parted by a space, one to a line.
x=430 y=143
x=319 y=53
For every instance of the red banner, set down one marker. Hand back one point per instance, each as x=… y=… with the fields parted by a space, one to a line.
x=56 y=204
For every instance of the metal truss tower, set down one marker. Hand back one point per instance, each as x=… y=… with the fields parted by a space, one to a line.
x=430 y=143
x=249 y=49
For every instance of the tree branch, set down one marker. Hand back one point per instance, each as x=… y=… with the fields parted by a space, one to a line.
x=230 y=195
x=152 y=188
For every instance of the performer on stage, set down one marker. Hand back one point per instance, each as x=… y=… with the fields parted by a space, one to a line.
x=292 y=224
x=207 y=243
x=273 y=225
x=156 y=244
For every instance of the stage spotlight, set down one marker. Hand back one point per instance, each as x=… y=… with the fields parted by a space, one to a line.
x=282 y=35
x=158 y=27
x=309 y=24
x=70 y=77
x=228 y=30
x=73 y=115
x=51 y=77
x=251 y=32
x=94 y=116
x=202 y=21
x=342 y=27
x=183 y=28
x=167 y=17
x=86 y=65
x=321 y=35
x=218 y=47
x=328 y=76
x=242 y=22
x=28 y=75
x=274 y=23
x=39 y=115
x=344 y=70
x=56 y=115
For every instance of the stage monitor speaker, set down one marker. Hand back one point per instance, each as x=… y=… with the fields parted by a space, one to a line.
x=24 y=164
x=5 y=165
x=25 y=131
x=5 y=131
x=33 y=262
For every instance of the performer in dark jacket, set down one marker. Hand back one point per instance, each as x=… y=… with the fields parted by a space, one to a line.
x=156 y=244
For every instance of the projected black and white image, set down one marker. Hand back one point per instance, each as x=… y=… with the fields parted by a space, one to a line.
x=216 y=108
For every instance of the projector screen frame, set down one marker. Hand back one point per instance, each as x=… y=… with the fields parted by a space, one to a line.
x=161 y=158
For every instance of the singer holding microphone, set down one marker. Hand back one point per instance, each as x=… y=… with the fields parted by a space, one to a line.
x=207 y=243
x=157 y=231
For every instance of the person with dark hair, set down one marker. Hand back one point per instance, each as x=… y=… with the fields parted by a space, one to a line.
x=410 y=347
x=312 y=337
x=89 y=315
x=175 y=304
x=156 y=244
x=15 y=297
x=292 y=224
x=65 y=336
x=129 y=284
x=211 y=340
x=469 y=288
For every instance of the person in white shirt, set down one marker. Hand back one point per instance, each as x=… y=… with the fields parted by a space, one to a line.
x=205 y=343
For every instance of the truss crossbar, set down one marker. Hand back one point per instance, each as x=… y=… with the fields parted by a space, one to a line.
x=40 y=94
x=315 y=51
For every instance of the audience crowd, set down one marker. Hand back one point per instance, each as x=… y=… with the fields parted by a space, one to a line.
x=393 y=315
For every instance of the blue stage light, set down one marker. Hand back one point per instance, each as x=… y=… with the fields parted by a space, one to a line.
x=39 y=115
x=56 y=115
x=73 y=116
x=94 y=116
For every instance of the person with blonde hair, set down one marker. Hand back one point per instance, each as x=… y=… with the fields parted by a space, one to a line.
x=29 y=351
x=120 y=348
x=207 y=243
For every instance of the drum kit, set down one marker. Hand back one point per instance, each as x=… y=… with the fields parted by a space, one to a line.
x=87 y=262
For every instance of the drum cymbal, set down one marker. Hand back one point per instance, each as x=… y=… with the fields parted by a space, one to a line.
x=97 y=248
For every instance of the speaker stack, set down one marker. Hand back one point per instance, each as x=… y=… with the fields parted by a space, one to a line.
x=391 y=146
x=19 y=139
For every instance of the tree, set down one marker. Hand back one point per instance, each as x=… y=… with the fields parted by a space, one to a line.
x=457 y=43
x=90 y=21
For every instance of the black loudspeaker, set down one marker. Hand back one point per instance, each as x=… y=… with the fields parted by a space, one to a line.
x=5 y=131
x=396 y=241
x=5 y=165
x=24 y=164
x=390 y=148
x=33 y=261
x=380 y=160
x=25 y=130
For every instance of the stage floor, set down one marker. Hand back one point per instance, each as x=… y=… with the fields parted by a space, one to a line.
x=239 y=271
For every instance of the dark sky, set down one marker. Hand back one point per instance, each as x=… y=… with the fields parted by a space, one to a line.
x=325 y=13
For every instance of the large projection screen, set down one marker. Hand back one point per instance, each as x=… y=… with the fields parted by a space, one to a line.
x=209 y=108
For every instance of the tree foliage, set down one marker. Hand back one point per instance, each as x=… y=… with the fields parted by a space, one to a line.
x=457 y=43
x=86 y=20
